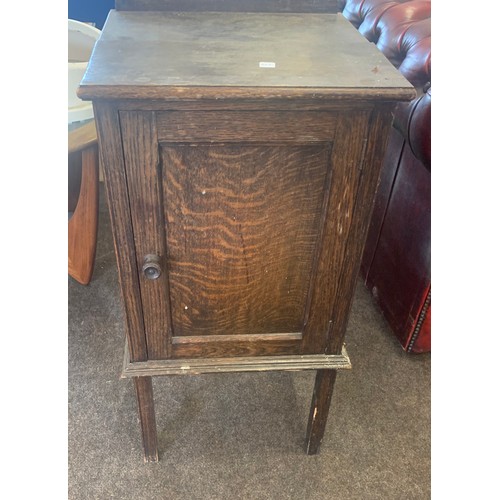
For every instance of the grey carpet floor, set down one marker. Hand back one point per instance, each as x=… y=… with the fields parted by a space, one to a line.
x=226 y=436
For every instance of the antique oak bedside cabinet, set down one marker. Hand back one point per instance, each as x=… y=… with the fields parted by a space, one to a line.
x=241 y=153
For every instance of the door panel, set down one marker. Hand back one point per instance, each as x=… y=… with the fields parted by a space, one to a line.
x=242 y=228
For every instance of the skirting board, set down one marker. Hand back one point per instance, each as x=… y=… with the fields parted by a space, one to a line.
x=235 y=364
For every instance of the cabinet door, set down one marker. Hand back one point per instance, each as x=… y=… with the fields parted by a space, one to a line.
x=248 y=213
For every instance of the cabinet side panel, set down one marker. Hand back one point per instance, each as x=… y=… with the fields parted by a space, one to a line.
x=111 y=156
x=328 y=289
x=379 y=126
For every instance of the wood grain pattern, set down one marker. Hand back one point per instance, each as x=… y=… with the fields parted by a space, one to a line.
x=82 y=226
x=320 y=406
x=195 y=366
x=144 y=189
x=299 y=101
x=182 y=55
x=389 y=170
x=347 y=157
x=147 y=419
x=243 y=222
x=111 y=154
x=330 y=6
x=82 y=137
x=235 y=338
x=245 y=126
x=233 y=348
x=247 y=344
x=314 y=97
x=378 y=132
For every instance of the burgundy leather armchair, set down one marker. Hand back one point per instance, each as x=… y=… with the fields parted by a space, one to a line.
x=396 y=265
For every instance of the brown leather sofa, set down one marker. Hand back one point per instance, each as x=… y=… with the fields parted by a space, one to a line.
x=396 y=264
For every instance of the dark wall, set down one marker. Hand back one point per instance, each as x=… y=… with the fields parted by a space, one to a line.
x=90 y=11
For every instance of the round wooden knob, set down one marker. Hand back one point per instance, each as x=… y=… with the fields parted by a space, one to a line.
x=151 y=267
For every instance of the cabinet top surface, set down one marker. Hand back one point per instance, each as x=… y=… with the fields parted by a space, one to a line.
x=190 y=55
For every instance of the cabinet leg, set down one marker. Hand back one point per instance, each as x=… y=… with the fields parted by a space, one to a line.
x=320 y=405
x=145 y=404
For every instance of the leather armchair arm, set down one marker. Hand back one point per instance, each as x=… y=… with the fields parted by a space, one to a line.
x=400 y=29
